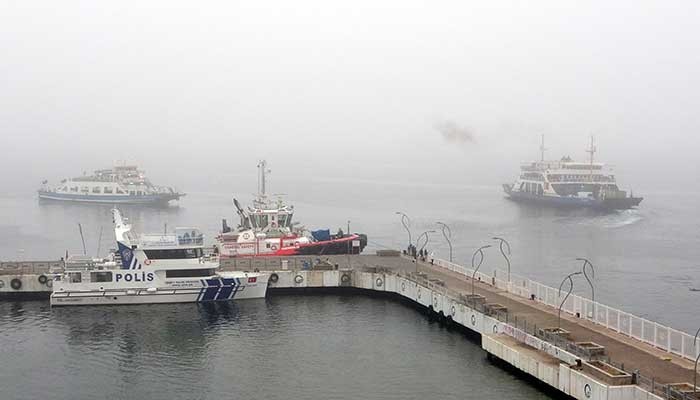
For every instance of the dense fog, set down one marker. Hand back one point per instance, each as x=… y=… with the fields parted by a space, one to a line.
x=196 y=92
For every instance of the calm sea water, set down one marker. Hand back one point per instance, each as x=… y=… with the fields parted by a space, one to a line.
x=646 y=262
x=296 y=347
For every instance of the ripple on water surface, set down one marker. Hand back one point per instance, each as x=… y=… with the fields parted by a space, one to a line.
x=311 y=347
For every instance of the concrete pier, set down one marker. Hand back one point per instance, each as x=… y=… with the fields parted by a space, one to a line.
x=578 y=358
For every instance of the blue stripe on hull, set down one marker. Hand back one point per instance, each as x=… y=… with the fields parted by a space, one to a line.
x=210 y=293
x=224 y=293
x=218 y=289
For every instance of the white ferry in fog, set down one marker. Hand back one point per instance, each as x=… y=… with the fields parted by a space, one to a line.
x=120 y=185
x=154 y=268
x=567 y=183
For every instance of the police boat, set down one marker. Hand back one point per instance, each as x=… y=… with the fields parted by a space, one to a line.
x=154 y=268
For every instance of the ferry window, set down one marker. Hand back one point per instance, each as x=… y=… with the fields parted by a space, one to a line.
x=282 y=220
x=139 y=193
x=172 y=254
x=74 y=189
x=107 y=189
x=96 y=189
x=105 y=276
x=75 y=277
x=188 y=273
x=132 y=193
x=85 y=189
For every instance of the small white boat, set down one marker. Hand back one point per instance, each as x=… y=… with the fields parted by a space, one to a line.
x=154 y=268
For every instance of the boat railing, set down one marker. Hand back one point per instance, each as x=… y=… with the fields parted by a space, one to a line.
x=194 y=238
x=30 y=267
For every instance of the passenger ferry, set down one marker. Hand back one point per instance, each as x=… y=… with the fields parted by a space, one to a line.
x=566 y=183
x=120 y=185
x=154 y=268
x=267 y=229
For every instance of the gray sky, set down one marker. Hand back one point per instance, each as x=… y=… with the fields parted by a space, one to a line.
x=355 y=88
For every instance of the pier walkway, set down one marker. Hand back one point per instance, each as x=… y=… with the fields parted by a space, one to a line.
x=652 y=363
x=654 y=366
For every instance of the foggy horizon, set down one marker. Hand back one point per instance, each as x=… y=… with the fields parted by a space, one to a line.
x=349 y=90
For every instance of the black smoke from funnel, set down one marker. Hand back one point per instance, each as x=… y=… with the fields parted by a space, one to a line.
x=453 y=133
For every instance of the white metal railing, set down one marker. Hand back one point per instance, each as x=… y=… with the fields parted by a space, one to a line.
x=650 y=332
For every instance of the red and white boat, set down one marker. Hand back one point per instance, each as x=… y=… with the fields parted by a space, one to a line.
x=266 y=229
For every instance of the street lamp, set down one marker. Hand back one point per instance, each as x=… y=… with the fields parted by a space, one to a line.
x=500 y=246
x=425 y=244
x=405 y=221
x=426 y=239
x=587 y=263
x=479 y=251
x=571 y=289
x=447 y=233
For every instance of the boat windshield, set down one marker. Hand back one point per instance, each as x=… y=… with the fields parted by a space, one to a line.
x=259 y=220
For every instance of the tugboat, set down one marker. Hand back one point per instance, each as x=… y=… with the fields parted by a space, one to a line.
x=566 y=183
x=124 y=184
x=153 y=268
x=266 y=229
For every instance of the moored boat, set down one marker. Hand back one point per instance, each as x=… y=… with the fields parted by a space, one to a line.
x=267 y=229
x=153 y=268
x=567 y=183
x=124 y=184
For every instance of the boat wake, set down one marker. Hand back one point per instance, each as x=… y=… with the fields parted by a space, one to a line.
x=617 y=220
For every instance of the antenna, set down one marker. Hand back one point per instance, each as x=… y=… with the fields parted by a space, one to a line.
x=262 y=178
x=542 y=149
x=591 y=150
x=80 y=229
x=99 y=243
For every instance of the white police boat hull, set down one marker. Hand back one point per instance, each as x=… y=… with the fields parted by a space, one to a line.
x=153 y=268
x=226 y=287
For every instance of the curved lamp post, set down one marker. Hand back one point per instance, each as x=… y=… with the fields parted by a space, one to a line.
x=571 y=289
x=500 y=246
x=480 y=252
x=695 y=371
x=447 y=233
x=587 y=263
x=426 y=239
x=405 y=221
x=424 y=244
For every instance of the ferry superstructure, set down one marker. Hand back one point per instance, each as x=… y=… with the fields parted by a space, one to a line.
x=567 y=183
x=267 y=229
x=154 y=268
x=124 y=184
